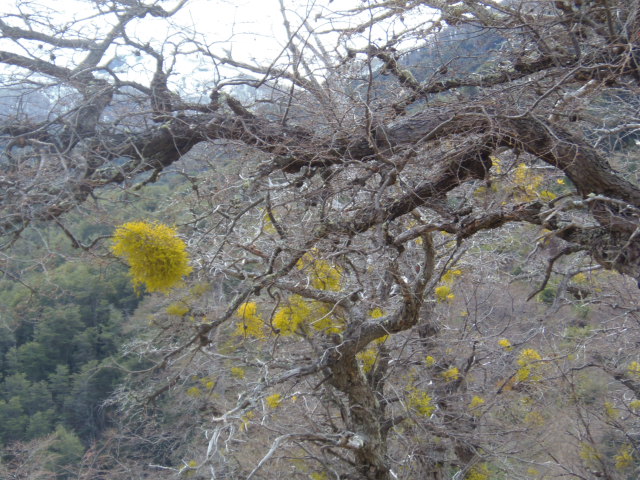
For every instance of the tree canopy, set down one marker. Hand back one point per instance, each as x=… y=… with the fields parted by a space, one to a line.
x=382 y=218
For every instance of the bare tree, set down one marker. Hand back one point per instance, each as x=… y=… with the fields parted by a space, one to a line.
x=349 y=245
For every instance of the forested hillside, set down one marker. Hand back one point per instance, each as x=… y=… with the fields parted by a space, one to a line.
x=64 y=323
x=403 y=246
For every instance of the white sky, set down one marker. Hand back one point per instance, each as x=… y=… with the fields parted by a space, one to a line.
x=248 y=29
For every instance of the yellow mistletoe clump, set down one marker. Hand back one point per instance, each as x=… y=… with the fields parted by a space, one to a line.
x=323 y=275
x=611 y=411
x=547 y=196
x=634 y=369
x=450 y=276
x=267 y=224
x=579 y=278
x=479 y=472
x=368 y=358
x=531 y=366
x=157 y=257
x=178 y=309
x=443 y=292
x=273 y=401
x=529 y=355
x=476 y=402
x=421 y=402
x=250 y=324
x=323 y=321
x=451 y=374
x=590 y=455
x=326 y=276
x=298 y=313
x=246 y=420
x=527 y=183
x=289 y=318
x=505 y=343
x=496 y=164
x=624 y=459
x=194 y=392
x=208 y=383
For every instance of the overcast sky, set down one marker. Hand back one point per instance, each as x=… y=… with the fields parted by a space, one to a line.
x=247 y=29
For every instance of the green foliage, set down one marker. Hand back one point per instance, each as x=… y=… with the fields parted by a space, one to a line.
x=548 y=294
x=50 y=361
x=82 y=404
x=12 y=419
x=40 y=424
x=577 y=333
x=53 y=333
x=582 y=310
x=29 y=358
x=590 y=388
x=26 y=409
x=59 y=384
x=68 y=450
